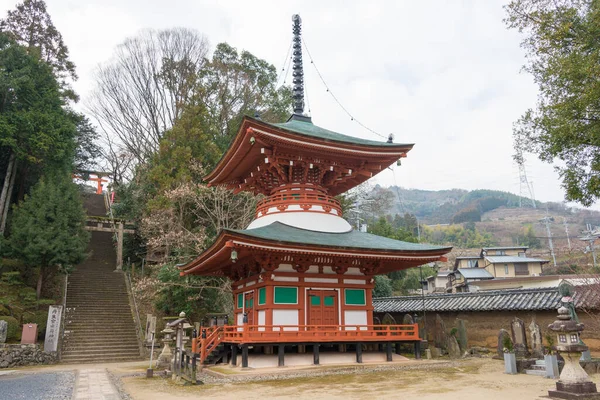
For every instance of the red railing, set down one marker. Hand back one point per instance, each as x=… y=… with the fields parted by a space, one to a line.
x=214 y=336
x=305 y=199
x=322 y=333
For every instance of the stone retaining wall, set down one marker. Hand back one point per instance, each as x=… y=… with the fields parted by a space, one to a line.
x=14 y=355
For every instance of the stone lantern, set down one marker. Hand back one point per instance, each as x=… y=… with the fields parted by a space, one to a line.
x=164 y=359
x=574 y=382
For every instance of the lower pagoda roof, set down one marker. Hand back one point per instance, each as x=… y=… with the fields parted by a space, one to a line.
x=277 y=243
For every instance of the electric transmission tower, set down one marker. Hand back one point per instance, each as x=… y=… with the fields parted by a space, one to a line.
x=525 y=186
x=546 y=221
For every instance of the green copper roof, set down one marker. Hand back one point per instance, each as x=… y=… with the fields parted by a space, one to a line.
x=353 y=240
x=307 y=128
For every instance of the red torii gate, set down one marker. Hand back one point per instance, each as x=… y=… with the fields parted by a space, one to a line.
x=85 y=176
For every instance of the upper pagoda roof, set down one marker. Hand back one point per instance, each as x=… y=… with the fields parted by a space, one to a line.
x=278 y=238
x=304 y=126
x=260 y=155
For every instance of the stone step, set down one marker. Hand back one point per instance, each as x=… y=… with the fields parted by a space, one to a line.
x=537 y=367
x=106 y=359
x=85 y=348
x=102 y=340
x=541 y=362
x=535 y=372
x=100 y=353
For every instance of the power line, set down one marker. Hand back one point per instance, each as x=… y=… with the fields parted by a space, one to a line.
x=286 y=62
x=334 y=97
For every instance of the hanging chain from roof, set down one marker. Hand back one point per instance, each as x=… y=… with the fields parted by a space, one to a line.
x=298 y=72
x=335 y=98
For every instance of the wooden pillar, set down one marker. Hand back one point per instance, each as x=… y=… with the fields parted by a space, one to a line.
x=316 y=354
x=417 y=350
x=359 y=353
x=281 y=355
x=244 y=356
x=388 y=351
x=398 y=347
x=234 y=354
x=120 y=247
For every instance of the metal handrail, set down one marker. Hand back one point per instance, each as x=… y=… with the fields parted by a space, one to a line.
x=137 y=313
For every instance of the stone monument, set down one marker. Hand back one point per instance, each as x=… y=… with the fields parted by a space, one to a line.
x=3 y=331
x=501 y=335
x=53 y=328
x=461 y=332
x=574 y=382
x=535 y=334
x=519 y=337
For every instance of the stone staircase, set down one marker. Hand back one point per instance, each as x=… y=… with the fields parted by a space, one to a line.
x=539 y=368
x=99 y=322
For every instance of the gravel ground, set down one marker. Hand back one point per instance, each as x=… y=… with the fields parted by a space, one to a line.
x=206 y=377
x=38 y=386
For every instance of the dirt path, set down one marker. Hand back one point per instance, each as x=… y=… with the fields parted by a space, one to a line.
x=480 y=379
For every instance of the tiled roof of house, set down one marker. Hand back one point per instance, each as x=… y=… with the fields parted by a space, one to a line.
x=475 y=273
x=513 y=259
x=497 y=300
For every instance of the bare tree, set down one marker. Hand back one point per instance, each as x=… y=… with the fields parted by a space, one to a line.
x=218 y=208
x=143 y=90
x=117 y=160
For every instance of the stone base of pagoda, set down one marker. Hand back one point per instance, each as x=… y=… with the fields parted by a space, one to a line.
x=294 y=354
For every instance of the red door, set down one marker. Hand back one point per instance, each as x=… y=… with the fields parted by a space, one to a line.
x=249 y=303
x=322 y=307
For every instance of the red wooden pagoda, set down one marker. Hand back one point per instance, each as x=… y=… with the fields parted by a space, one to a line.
x=300 y=274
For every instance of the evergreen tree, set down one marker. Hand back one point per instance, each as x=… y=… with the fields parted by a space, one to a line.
x=30 y=26
x=563 y=54
x=36 y=132
x=383 y=286
x=47 y=229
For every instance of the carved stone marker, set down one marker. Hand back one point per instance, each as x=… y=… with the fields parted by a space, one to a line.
x=407 y=320
x=519 y=337
x=453 y=348
x=501 y=335
x=53 y=329
x=439 y=336
x=535 y=334
x=462 y=335
x=3 y=331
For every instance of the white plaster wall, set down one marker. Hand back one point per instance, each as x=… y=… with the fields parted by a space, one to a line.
x=286 y=317
x=312 y=221
x=240 y=321
x=285 y=268
x=353 y=271
x=261 y=319
x=355 y=281
x=285 y=279
x=321 y=280
x=355 y=317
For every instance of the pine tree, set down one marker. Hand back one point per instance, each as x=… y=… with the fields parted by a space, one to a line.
x=48 y=227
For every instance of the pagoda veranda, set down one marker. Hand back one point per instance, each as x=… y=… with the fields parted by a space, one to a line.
x=301 y=276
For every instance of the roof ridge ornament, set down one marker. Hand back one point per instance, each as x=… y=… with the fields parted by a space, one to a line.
x=298 y=72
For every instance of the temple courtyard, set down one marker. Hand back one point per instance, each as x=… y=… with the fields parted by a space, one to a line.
x=464 y=380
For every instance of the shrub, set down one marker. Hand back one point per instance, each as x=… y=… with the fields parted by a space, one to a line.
x=4 y=310
x=14 y=331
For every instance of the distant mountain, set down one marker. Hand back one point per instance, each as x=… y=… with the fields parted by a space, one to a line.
x=443 y=206
x=459 y=205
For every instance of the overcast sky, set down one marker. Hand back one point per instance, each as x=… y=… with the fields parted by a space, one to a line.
x=445 y=75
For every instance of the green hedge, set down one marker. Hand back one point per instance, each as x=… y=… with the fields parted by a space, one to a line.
x=14 y=331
